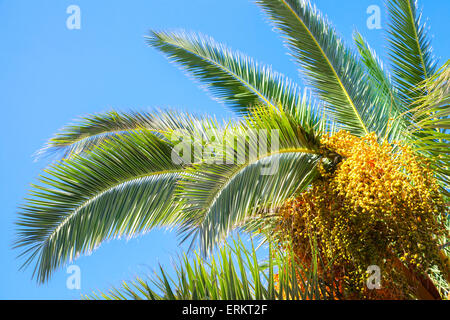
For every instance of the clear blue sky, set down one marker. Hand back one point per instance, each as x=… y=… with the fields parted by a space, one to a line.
x=50 y=75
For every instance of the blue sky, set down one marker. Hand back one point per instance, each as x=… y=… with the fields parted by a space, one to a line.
x=50 y=75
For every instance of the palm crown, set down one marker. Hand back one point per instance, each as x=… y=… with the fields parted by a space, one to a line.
x=117 y=176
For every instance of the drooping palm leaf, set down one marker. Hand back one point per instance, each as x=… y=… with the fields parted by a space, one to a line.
x=220 y=197
x=410 y=48
x=122 y=188
x=229 y=76
x=92 y=130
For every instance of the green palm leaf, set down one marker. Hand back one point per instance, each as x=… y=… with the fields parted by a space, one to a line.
x=410 y=49
x=387 y=94
x=430 y=124
x=220 y=198
x=233 y=273
x=217 y=197
x=92 y=130
x=123 y=188
x=230 y=76
x=331 y=69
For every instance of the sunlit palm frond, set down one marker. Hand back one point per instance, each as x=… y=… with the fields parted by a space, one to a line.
x=123 y=188
x=430 y=123
x=92 y=130
x=304 y=127
x=380 y=79
x=432 y=108
x=229 y=76
x=220 y=199
x=331 y=69
x=272 y=156
x=233 y=273
x=410 y=48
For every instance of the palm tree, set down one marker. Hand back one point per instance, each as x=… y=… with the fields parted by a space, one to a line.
x=117 y=175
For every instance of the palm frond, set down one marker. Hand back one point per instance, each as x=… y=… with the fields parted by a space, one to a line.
x=410 y=48
x=432 y=108
x=430 y=124
x=331 y=69
x=233 y=273
x=92 y=130
x=234 y=201
x=231 y=77
x=217 y=197
x=122 y=188
x=380 y=79
x=304 y=127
